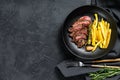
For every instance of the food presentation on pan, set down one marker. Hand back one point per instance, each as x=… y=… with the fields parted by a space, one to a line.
x=89 y=32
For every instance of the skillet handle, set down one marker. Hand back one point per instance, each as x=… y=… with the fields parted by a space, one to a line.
x=93 y=2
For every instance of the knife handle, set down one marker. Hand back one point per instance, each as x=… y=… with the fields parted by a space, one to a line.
x=107 y=60
x=103 y=66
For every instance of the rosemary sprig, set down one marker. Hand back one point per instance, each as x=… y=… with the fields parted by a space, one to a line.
x=104 y=73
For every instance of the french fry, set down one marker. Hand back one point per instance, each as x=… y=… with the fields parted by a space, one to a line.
x=96 y=46
x=100 y=33
x=96 y=20
x=108 y=25
x=105 y=33
x=94 y=36
x=97 y=35
x=102 y=29
x=100 y=36
x=95 y=23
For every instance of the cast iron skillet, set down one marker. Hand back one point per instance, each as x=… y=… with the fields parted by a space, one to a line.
x=77 y=13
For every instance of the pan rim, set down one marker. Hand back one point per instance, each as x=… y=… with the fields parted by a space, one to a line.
x=71 y=51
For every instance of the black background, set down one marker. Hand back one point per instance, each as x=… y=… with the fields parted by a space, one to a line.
x=30 y=44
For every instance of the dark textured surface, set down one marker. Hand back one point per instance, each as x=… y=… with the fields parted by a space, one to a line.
x=30 y=47
x=29 y=43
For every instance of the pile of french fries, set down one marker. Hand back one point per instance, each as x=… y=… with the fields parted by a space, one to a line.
x=100 y=33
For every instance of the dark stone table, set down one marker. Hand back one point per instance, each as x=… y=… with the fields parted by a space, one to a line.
x=30 y=45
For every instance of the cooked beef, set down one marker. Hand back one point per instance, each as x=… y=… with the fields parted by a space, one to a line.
x=86 y=18
x=81 y=36
x=83 y=23
x=79 y=31
x=81 y=42
x=76 y=28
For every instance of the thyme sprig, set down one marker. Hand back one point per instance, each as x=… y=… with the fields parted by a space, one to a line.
x=104 y=73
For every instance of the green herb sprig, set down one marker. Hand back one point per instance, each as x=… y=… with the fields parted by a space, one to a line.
x=104 y=73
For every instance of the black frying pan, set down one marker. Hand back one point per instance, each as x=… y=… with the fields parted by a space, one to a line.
x=79 y=12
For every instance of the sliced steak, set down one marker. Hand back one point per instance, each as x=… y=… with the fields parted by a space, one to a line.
x=75 y=28
x=86 y=18
x=81 y=42
x=83 y=23
x=79 y=31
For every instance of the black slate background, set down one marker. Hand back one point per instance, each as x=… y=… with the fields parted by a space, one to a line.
x=30 y=46
x=29 y=43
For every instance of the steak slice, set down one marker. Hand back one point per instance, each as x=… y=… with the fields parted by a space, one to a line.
x=79 y=31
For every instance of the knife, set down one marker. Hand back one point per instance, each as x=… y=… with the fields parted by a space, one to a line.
x=105 y=60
